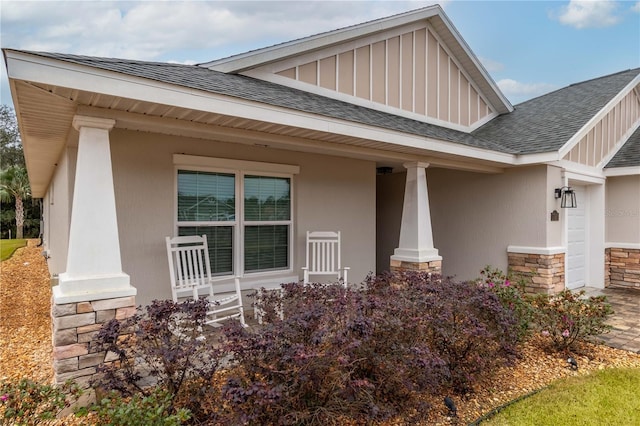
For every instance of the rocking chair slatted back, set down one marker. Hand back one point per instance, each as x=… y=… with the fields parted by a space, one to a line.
x=190 y=271
x=324 y=255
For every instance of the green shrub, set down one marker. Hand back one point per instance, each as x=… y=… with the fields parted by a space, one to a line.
x=154 y=409
x=568 y=316
x=511 y=292
x=30 y=403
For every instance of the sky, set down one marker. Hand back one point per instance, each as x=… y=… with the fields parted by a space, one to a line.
x=528 y=47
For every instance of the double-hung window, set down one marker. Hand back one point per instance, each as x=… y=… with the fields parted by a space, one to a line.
x=246 y=214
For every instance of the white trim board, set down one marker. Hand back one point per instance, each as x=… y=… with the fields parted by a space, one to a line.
x=536 y=250
x=622 y=171
x=628 y=246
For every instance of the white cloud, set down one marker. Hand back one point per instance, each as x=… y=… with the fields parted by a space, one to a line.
x=491 y=65
x=147 y=30
x=517 y=91
x=185 y=32
x=589 y=14
x=636 y=7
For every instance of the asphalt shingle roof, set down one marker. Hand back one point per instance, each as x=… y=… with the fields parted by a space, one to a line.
x=252 y=89
x=629 y=154
x=543 y=124
x=546 y=123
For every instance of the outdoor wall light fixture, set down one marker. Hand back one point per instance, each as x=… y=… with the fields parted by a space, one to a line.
x=384 y=170
x=568 y=197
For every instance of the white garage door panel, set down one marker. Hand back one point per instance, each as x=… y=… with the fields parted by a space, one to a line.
x=577 y=242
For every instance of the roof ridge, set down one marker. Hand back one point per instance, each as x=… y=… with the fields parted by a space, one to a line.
x=602 y=77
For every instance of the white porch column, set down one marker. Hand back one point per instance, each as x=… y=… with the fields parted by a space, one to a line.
x=94 y=268
x=416 y=236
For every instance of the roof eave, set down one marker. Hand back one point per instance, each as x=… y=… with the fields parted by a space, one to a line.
x=29 y=67
x=622 y=171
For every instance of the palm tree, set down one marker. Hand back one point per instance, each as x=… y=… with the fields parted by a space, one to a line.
x=14 y=183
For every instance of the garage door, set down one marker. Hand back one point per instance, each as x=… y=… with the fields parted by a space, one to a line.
x=577 y=242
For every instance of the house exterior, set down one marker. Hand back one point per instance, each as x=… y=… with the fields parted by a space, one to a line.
x=391 y=132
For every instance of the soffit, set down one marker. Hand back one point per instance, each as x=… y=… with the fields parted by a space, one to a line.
x=45 y=113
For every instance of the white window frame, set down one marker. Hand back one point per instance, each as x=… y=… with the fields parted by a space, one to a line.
x=240 y=169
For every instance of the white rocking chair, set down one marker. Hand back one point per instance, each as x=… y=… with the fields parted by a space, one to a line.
x=324 y=257
x=191 y=277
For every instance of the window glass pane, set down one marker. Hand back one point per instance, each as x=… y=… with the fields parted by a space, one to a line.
x=267 y=198
x=220 y=241
x=205 y=197
x=266 y=247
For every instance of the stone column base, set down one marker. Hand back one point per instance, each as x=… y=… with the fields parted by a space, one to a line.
x=434 y=266
x=75 y=325
x=622 y=267
x=542 y=273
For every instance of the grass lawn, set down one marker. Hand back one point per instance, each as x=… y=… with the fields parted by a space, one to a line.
x=606 y=397
x=7 y=247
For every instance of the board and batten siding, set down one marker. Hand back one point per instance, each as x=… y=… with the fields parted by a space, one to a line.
x=411 y=72
x=606 y=134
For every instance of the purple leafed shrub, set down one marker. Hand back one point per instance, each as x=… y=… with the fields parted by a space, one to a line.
x=336 y=355
x=333 y=356
x=364 y=354
x=465 y=326
x=162 y=347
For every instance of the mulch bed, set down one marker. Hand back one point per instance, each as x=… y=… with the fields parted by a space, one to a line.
x=25 y=347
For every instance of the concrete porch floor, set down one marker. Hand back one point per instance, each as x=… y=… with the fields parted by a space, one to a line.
x=625 y=321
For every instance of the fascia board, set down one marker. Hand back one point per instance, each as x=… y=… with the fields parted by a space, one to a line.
x=472 y=57
x=337 y=48
x=539 y=158
x=580 y=172
x=575 y=139
x=60 y=73
x=622 y=171
x=244 y=61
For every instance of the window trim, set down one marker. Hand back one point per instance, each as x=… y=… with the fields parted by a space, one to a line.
x=240 y=169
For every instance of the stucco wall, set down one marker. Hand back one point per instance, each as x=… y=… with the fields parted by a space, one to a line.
x=57 y=211
x=555 y=229
x=390 y=196
x=474 y=216
x=622 y=210
x=330 y=193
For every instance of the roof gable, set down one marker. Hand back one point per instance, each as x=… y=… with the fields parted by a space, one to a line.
x=413 y=64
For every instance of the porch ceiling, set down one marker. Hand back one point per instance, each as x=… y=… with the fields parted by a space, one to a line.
x=45 y=114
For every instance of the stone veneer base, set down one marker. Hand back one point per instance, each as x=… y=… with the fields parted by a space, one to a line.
x=622 y=267
x=75 y=325
x=543 y=273
x=435 y=266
